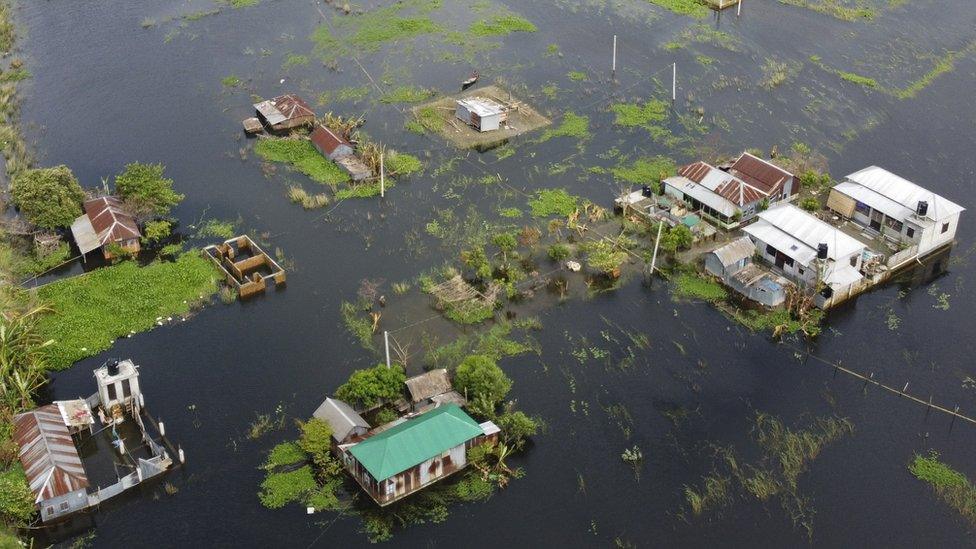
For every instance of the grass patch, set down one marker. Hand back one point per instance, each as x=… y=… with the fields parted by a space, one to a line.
x=550 y=202
x=215 y=228
x=280 y=489
x=573 y=125
x=950 y=485
x=777 y=73
x=406 y=94
x=302 y=156
x=645 y=171
x=692 y=8
x=577 y=76
x=308 y=201
x=92 y=310
x=836 y=8
x=426 y=119
x=349 y=93
x=230 y=81
x=286 y=453
x=695 y=286
x=501 y=25
x=295 y=60
x=357 y=324
x=701 y=33
x=34 y=264
x=633 y=115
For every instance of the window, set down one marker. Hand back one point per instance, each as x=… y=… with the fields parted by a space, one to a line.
x=893 y=224
x=770 y=250
x=126 y=390
x=945 y=227
x=853 y=261
x=111 y=392
x=390 y=487
x=910 y=232
x=788 y=261
x=863 y=208
x=64 y=506
x=800 y=270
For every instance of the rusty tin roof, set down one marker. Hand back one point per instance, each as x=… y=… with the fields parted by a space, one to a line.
x=48 y=453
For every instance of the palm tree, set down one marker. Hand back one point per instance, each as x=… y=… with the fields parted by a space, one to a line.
x=23 y=367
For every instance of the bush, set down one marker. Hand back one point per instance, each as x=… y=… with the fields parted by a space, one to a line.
x=285 y=453
x=280 y=489
x=48 y=197
x=810 y=204
x=479 y=376
x=516 y=428
x=558 y=252
x=603 y=257
x=145 y=190
x=16 y=499
x=155 y=231
x=371 y=385
x=677 y=238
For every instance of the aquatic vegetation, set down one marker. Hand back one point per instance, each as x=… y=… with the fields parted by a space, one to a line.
x=286 y=453
x=37 y=263
x=693 y=8
x=777 y=72
x=837 y=8
x=92 y=310
x=577 y=76
x=713 y=493
x=702 y=33
x=633 y=115
x=294 y=60
x=696 y=286
x=573 y=125
x=369 y=31
x=16 y=499
x=360 y=327
x=351 y=93
x=550 y=202
x=950 y=485
x=240 y=3
x=645 y=171
x=280 y=489
x=397 y=163
x=215 y=228
x=501 y=25
x=496 y=343
x=302 y=156
x=308 y=201
x=407 y=94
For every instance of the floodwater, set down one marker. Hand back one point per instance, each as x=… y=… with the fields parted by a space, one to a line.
x=106 y=91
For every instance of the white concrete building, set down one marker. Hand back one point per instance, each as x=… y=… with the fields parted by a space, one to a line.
x=892 y=206
x=805 y=248
x=481 y=113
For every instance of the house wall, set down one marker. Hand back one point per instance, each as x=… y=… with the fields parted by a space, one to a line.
x=936 y=237
x=806 y=274
x=927 y=238
x=714 y=266
x=63 y=505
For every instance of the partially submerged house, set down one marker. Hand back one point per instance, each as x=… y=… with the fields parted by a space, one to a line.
x=339 y=150
x=432 y=389
x=732 y=263
x=345 y=422
x=106 y=222
x=733 y=193
x=887 y=205
x=481 y=113
x=414 y=453
x=49 y=438
x=246 y=267
x=807 y=250
x=284 y=112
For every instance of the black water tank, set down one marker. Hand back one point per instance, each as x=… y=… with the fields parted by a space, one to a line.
x=922 y=209
x=113 y=367
x=822 y=251
x=646 y=191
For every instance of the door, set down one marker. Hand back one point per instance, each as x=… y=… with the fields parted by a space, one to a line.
x=780 y=259
x=876 y=218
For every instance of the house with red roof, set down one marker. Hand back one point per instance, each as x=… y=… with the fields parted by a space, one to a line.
x=106 y=222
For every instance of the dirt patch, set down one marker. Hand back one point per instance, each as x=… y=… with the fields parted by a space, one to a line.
x=521 y=119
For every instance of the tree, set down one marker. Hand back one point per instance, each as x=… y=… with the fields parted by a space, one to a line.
x=316 y=441
x=156 y=231
x=506 y=242
x=372 y=384
x=145 y=190
x=603 y=257
x=516 y=427
x=678 y=238
x=48 y=197
x=480 y=377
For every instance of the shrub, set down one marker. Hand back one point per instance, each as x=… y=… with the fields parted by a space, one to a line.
x=16 y=499
x=480 y=376
x=145 y=190
x=810 y=204
x=280 y=489
x=48 y=197
x=370 y=385
x=558 y=252
x=285 y=453
x=155 y=231
x=604 y=258
x=516 y=428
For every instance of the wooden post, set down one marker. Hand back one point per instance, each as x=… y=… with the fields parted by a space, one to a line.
x=386 y=342
x=613 y=62
x=738 y=9
x=674 y=82
x=657 y=241
x=382 y=194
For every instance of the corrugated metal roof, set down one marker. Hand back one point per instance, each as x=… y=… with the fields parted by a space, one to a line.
x=48 y=453
x=726 y=185
x=481 y=106
x=84 y=234
x=843 y=276
x=415 y=441
x=883 y=184
x=283 y=108
x=340 y=416
x=110 y=220
x=735 y=251
x=797 y=234
x=765 y=176
x=702 y=194
x=429 y=384
x=325 y=140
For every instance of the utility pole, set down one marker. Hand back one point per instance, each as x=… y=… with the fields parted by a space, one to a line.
x=738 y=9
x=613 y=62
x=386 y=343
x=382 y=194
x=674 y=82
x=657 y=241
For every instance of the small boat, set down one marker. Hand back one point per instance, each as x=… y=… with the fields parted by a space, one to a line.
x=470 y=81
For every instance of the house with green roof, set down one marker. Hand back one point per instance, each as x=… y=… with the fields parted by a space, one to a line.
x=410 y=454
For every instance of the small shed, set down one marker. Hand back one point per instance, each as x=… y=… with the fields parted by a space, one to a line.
x=51 y=462
x=118 y=385
x=481 y=113
x=285 y=112
x=329 y=144
x=105 y=222
x=433 y=389
x=731 y=258
x=759 y=285
x=345 y=422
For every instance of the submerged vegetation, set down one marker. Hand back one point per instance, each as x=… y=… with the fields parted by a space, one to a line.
x=950 y=485
x=694 y=8
x=300 y=154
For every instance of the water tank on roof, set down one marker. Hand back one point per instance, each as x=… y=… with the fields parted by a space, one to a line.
x=646 y=191
x=922 y=208
x=822 y=250
x=113 y=367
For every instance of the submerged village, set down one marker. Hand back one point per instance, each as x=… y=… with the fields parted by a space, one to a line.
x=485 y=293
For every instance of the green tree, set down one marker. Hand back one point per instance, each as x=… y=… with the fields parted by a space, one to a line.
x=506 y=242
x=316 y=441
x=145 y=190
x=480 y=377
x=155 y=231
x=604 y=257
x=476 y=259
x=48 y=197
x=677 y=238
x=516 y=427
x=370 y=385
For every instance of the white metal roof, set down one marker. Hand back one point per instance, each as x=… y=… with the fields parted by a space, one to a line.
x=797 y=234
x=735 y=251
x=270 y=112
x=340 y=416
x=842 y=276
x=481 y=106
x=702 y=194
x=879 y=182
